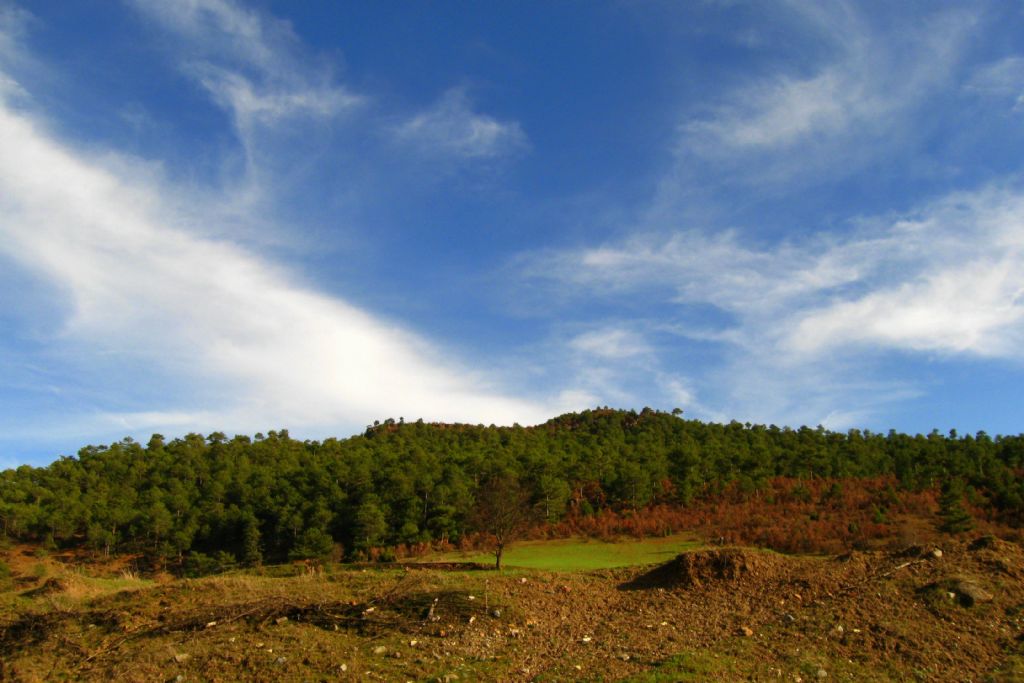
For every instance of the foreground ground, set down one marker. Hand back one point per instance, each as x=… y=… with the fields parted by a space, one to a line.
x=712 y=614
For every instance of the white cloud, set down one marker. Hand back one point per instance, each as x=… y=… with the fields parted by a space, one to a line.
x=13 y=21
x=783 y=112
x=611 y=343
x=947 y=278
x=1003 y=79
x=253 y=347
x=251 y=64
x=855 y=102
x=225 y=30
x=269 y=105
x=451 y=128
x=959 y=286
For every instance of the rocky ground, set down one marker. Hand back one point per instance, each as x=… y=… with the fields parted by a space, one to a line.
x=949 y=613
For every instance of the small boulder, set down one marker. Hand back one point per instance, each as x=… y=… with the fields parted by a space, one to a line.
x=971 y=593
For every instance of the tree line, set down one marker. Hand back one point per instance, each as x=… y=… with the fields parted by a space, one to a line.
x=272 y=497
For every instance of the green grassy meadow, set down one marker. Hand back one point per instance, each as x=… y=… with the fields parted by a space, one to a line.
x=580 y=554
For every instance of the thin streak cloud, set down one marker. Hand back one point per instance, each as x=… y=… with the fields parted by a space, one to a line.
x=140 y=284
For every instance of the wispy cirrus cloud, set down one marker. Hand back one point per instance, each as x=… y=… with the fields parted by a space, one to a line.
x=1002 y=79
x=611 y=342
x=795 y=329
x=949 y=279
x=145 y=322
x=252 y=64
x=856 y=102
x=450 y=127
x=946 y=278
x=139 y=283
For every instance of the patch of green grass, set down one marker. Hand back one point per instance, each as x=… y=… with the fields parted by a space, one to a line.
x=581 y=554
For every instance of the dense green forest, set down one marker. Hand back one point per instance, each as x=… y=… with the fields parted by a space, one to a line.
x=272 y=497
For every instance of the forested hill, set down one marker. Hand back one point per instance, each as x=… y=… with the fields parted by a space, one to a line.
x=275 y=497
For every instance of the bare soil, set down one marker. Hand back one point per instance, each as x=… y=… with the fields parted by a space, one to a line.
x=719 y=614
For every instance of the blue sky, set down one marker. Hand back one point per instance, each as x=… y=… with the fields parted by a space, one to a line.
x=231 y=216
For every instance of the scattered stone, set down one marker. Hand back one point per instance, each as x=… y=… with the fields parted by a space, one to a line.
x=496 y=613
x=343 y=667
x=838 y=630
x=624 y=657
x=522 y=580
x=935 y=554
x=211 y=624
x=182 y=657
x=281 y=620
x=822 y=674
x=379 y=650
x=585 y=639
x=746 y=631
x=179 y=678
x=281 y=660
x=788 y=618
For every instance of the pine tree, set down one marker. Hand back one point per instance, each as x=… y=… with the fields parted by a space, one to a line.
x=955 y=518
x=251 y=555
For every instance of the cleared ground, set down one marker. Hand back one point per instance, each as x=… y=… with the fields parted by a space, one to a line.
x=709 y=614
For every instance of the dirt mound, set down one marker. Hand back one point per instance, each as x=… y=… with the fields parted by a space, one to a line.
x=698 y=568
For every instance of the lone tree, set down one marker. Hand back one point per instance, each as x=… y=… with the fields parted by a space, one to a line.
x=955 y=519
x=503 y=512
